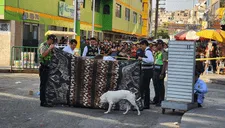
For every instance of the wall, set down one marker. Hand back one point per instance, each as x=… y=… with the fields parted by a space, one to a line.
x=107 y=18
x=41 y=6
x=48 y=14
x=5 y=48
x=2 y=9
x=86 y=16
x=122 y=25
x=145 y=17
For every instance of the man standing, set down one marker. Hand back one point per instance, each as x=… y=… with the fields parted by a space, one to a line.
x=160 y=67
x=70 y=48
x=147 y=72
x=92 y=49
x=45 y=51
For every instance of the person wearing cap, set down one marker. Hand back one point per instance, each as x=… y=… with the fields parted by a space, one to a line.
x=92 y=49
x=45 y=51
x=160 y=67
x=83 y=45
x=146 y=72
x=139 y=52
x=200 y=89
x=70 y=48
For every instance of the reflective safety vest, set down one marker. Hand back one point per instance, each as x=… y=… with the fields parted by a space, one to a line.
x=92 y=51
x=159 y=58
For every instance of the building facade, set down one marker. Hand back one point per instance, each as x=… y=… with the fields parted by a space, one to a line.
x=24 y=22
x=115 y=19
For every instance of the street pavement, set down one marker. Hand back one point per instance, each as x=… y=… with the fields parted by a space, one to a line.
x=212 y=115
x=18 y=109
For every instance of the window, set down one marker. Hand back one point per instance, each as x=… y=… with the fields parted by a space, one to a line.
x=106 y=9
x=140 y=18
x=134 y=17
x=118 y=10
x=52 y=28
x=4 y=27
x=127 y=14
x=65 y=29
x=97 y=6
x=71 y=30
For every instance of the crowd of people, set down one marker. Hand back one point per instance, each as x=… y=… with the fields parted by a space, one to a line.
x=121 y=50
x=210 y=50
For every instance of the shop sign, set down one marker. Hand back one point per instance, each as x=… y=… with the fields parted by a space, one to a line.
x=31 y=16
x=66 y=10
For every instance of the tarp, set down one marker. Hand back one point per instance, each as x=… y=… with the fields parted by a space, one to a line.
x=79 y=82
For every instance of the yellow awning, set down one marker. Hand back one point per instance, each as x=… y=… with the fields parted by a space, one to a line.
x=60 y=33
x=220 y=13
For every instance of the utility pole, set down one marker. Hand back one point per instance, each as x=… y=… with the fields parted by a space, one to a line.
x=75 y=16
x=156 y=17
x=93 y=19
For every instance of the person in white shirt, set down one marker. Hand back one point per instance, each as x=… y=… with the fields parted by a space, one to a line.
x=70 y=48
x=146 y=72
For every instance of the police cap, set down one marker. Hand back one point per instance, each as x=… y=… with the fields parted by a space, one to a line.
x=144 y=42
x=159 y=41
x=53 y=37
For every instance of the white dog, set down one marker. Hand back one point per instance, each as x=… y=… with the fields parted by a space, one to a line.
x=113 y=97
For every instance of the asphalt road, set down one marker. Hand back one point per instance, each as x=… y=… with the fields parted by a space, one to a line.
x=18 y=109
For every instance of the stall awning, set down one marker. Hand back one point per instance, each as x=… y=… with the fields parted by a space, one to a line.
x=60 y=33
x=220 y=13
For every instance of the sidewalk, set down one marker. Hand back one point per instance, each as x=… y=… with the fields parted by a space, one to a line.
x=212 y=115
x=5 y=69
x=8 y=70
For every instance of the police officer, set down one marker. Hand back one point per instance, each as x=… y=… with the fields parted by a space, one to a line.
x=91 y=50
x=161 y=57
x=147 y=72
x=45 y=51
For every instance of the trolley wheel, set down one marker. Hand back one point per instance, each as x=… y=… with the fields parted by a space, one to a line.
x=173 y=110
x=163 y=110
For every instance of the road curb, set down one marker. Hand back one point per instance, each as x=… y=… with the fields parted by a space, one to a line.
x=218 y=81
x=32 y=71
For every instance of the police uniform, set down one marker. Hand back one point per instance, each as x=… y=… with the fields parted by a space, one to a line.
x=90 y=51
x=146 y=75
x=44 y=69
x=158 y=81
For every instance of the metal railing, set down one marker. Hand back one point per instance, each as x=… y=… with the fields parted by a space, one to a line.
x=24 y=57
